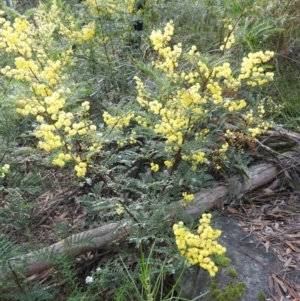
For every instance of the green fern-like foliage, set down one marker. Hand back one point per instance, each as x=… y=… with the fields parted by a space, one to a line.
x=91 y=53
x=12 y=287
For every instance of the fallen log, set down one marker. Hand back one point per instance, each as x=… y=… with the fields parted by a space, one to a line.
x=259 y=175
x=115 y=233
x=101 y=237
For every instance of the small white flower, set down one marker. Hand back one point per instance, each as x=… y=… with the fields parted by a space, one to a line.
x=89 y=181
x=89 y=279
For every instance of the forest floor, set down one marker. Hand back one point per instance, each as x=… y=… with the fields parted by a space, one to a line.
x=272 y=214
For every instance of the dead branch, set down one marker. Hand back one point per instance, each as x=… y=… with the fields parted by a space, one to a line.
x=280 y=132
x=101 y=237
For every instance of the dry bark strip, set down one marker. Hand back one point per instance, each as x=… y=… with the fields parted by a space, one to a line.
x=104 y=236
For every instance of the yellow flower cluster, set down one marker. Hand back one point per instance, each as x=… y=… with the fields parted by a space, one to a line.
x=215 y=91
x=220 y=155
x=42 y=72
x=111 y=7
x=232 y=105
x=229 y=40
x=223 y=72
x=155 y=106
x=80 y=167
x=251 y=119
x=254 y=131
x=202 y=134
x=169 y=56
x=198 y=248
x=117 y=122
x=192 y=97
x=187 y=198
x=160 y=39
x=61 y=159
x=193 y=50
x=4 y=170
x=154 y=167
x=169 y=163
x=14 y=38
x=173 y=124
x=48 y=96
x=46 y=21
x=85 y=34
x=195 y=158
x=102 y=7
x=250 y=68
x=143 y=97
x=132 y=137
x=200 y=91
x=120 y=209
x=224 y=148
x=50 y=140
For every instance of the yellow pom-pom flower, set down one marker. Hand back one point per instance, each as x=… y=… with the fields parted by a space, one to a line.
x=154 y=167
x=198 y=248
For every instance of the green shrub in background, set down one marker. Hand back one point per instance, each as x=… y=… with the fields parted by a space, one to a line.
x=151 y=110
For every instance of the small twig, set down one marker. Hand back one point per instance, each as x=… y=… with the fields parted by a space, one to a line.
x=276 y=155
x=251 y=231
